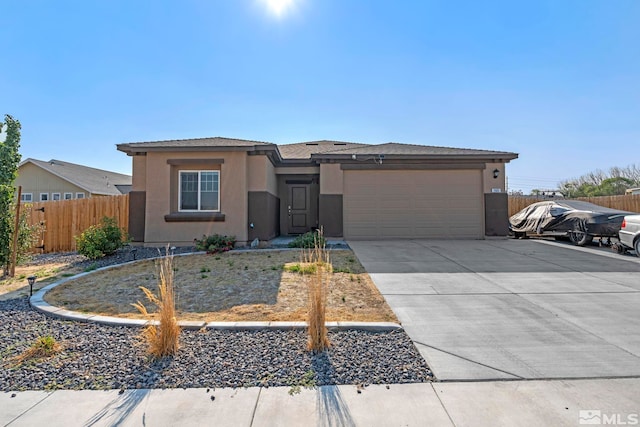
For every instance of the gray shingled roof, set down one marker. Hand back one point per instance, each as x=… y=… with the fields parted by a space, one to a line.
x=393 y=148
x=304 y=150
x=193 y=143
x=95 y=181
x=316 y=149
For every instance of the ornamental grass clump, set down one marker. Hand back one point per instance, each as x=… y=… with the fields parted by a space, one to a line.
x=161 y=338
x=44 y=346
x=318 y=281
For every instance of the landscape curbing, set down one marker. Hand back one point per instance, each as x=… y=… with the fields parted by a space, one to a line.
x=39 y=304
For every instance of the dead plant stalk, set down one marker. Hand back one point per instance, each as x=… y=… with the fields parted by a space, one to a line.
x=161 y=338
x=318 y=281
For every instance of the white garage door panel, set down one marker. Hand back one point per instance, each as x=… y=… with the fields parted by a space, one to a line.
x=412 y=204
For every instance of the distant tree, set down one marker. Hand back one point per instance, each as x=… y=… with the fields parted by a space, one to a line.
x=600 y=183
x=9 y=160
x=616 y=185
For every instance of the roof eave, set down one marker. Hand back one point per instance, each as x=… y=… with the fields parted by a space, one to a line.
x=132 y=149
x=490 y=157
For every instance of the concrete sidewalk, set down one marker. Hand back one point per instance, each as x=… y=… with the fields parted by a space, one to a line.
x=505 y=403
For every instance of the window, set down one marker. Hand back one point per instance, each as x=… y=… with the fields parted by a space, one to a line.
x=199 y=191
x=68 y=196
x=26 y=197
x=79 y=195
x=55 y=196
x=44 y=197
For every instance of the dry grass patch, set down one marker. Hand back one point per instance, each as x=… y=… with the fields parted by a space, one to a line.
x=11 y=287
x=161 y=339
x=318 y=280
x=235 y=286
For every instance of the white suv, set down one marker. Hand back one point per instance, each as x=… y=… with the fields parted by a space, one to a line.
x=629 y=233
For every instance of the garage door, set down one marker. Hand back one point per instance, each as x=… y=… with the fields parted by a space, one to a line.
x=391 y=204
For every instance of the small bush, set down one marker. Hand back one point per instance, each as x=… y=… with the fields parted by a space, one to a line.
x=100 y=240
x=215 y=243
x=308 y=240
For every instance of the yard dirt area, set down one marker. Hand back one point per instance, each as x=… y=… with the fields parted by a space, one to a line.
x=233 y=286
x=13 y=287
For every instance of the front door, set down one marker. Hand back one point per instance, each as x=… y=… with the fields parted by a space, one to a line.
x=299 y=208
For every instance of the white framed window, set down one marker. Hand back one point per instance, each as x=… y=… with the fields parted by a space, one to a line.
x=55 y=196
x=79 y=195
x=199 y=191
x=26 y=197
x=68 y=196
x=44 y=197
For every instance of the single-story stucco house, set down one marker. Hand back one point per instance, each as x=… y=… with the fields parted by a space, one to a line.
x=184 y=189
x=42 y=181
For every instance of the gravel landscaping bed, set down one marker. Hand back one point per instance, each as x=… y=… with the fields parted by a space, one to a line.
x=121 y=256
x=103 y=357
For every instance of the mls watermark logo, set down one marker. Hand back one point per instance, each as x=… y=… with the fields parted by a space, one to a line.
x=598 y=418
x=590 y=416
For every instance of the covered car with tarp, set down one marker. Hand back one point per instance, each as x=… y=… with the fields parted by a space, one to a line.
x=577 y=220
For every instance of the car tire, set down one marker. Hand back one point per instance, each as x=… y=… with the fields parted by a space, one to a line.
x=580 y=238
x=636 y=246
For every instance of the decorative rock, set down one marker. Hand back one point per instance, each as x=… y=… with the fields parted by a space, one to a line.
x=96 y=356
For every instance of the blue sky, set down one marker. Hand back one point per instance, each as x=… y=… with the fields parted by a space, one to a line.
x=556 y=81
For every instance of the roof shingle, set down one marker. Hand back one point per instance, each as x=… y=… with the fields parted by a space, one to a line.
x=315 y=149
x=394 y=148
x=304 y=150
x=196 y=142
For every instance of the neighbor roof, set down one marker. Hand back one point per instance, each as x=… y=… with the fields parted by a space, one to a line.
x=95 y=181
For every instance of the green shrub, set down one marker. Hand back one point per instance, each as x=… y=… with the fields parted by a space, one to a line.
x=308 y=240
x=215 y=243
x=100 y=240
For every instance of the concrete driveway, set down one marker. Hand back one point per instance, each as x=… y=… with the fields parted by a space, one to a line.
x=512 y=309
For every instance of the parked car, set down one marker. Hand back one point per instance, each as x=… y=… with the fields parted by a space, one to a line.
x=629 y=233
x=574 y=219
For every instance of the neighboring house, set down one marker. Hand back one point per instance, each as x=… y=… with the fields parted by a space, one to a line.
x=632 y=191
x=183 y=189
x=57 y=180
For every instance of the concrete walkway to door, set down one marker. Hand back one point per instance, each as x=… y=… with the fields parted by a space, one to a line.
x=512 y=309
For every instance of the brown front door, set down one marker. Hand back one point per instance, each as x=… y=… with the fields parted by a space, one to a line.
x=299 y=208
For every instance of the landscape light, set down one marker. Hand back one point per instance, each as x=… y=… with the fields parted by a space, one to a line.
x=32 y=281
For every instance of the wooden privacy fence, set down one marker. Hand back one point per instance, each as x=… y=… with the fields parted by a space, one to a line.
x=629 y=203
x=65 y=219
